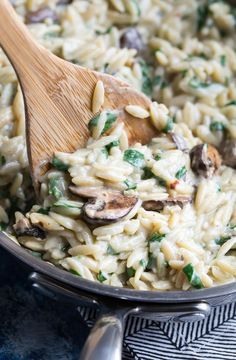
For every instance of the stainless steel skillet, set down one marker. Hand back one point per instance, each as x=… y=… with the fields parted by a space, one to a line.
x=105 y=340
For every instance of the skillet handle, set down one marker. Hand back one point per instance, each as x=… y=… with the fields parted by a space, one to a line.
x=105 y=339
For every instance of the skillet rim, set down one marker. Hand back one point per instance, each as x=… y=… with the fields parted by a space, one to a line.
x=110 y=291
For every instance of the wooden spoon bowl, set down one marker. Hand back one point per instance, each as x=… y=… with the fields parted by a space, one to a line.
x=57 y=96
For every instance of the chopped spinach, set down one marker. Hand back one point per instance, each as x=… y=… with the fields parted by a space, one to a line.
x=151 y=261
x=101 y=277
x=74 y=272
x=59 y=165
x=223 y=60
x=36 y=254
x=107 y=31
x=161 y=181
x=143 y=263
x=232 y=226
x=3 y=226
x=56 y=187
x=44 y=211
x=130 y=185
x=157 y=80
x=111 y=251
x=65 y=248
x=202 y=14
x=217 y=126
x=157 y=157
x=196 y=83
x=110 y=119
x=164 y=84
x=147 y=173
x=104 y=151
x=112 y=144
x=147 y=83
x=135 y=2
x=222 y=239
x=134 y=157
x=181 y=173
x=4 y=193
x=156 y=237
x=2 y=160
x=232 y=102
x=169 y=125
x=68 y=204
x=130 y=272
x=192 y=276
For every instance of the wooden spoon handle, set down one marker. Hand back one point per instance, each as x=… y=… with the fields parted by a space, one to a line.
x=17 y=42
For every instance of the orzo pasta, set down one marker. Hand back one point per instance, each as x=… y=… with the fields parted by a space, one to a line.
x=160 y=216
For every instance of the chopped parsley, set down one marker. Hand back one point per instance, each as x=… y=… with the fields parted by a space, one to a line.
x=134 y=157
x=130 y=272
x=101 y=277
x=192 y=276
x=130 y=185
x=156 y=237
x=217 y=126
x=181 y=173
x=222 y=239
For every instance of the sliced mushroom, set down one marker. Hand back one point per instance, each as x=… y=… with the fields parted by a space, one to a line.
x=205 y=160
x=64 y=2
x=24 y=227
x=131 y=39
x=104 y=206
x=179 y=141
x=228 y=152
x=34 y=17
x=158 y=205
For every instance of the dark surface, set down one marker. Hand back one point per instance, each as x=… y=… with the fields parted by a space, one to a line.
x=34 y=327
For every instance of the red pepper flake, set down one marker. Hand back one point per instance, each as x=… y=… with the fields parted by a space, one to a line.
x=174 y=184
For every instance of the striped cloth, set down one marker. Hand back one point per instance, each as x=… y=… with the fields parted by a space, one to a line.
x=213 y=338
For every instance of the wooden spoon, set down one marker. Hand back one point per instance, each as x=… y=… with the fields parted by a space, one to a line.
x=57 y=96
